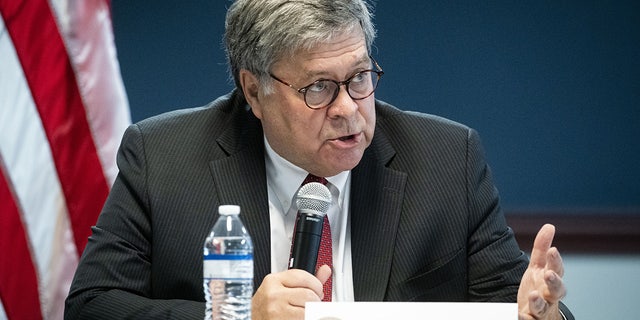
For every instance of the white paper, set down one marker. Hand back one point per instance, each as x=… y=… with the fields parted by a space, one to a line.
x=410 y=310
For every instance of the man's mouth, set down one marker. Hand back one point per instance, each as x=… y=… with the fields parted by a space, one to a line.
x=345 y=138
x=347 y=141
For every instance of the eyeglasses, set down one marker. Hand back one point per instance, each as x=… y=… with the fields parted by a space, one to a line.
x=324 y=92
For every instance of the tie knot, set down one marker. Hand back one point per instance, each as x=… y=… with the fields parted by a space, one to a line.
x=313 y=178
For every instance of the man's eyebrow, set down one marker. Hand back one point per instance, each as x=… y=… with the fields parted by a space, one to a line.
x=316 y=74
x=364 y=59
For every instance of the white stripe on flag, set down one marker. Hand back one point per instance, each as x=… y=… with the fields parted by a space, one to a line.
x=86 y=29
x=38 y=190
x=34 y=178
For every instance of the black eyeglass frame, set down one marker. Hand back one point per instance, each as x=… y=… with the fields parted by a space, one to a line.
x=346 y=82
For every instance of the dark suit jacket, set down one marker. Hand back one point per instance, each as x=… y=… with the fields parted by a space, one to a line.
x=426 y=222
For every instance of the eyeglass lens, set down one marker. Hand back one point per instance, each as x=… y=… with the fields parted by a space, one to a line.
x=323 y=92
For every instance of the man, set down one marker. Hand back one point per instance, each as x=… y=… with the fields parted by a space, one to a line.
x=415 y=215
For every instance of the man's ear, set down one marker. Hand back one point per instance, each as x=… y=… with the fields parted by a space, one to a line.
x=251 y=89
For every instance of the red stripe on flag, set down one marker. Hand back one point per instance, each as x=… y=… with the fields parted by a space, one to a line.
x=50 y=76
x=18 y=279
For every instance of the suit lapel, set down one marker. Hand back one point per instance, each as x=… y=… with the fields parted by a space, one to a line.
x=240 y=178
x=376 y=199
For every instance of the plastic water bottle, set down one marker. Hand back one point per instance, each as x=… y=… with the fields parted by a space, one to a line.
x=228 y=268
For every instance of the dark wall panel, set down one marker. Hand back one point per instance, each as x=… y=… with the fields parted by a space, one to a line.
x=553 y=87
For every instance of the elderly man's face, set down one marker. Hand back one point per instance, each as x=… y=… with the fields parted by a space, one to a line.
x=327 y=141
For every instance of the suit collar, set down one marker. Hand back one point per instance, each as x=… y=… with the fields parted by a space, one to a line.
x=240 y=178
x=377 y=193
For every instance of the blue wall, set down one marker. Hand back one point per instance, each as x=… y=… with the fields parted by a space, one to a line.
x=553 y=87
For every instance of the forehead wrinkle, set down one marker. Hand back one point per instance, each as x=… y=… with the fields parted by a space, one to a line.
x=315 y=74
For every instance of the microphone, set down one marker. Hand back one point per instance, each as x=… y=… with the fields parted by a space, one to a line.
x=313 y=201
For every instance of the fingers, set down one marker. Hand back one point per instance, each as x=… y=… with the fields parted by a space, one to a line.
x=554 y=261
x=539 y=308
x=299 y=278
x=553 y=276
x=555 y=289
x=283 y=295
x=553 y=272
x=541 y=245
x=537 y=305
x=542 y=287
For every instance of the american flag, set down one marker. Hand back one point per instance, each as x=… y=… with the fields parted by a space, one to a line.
x=63 y=110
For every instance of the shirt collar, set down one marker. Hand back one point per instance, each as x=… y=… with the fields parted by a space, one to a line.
x=285 y=178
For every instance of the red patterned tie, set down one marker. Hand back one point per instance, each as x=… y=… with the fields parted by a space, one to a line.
x=325 y=253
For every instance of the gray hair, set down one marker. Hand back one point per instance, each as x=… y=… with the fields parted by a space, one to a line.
x=258 y=33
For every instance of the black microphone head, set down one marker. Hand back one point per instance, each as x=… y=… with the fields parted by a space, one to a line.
x=313 y=197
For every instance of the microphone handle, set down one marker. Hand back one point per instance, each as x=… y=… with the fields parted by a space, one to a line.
x=306 y=242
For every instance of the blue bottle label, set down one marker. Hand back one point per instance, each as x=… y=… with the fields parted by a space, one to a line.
x=230 y=267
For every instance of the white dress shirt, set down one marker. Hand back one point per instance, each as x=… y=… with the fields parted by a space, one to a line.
x=283 y=181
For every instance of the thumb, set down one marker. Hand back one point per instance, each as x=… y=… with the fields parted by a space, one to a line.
x=323 y=273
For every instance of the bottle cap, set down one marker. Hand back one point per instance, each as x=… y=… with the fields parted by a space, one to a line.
x=229 y=210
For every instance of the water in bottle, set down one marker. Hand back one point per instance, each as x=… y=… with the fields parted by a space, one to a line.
x=228 y=268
